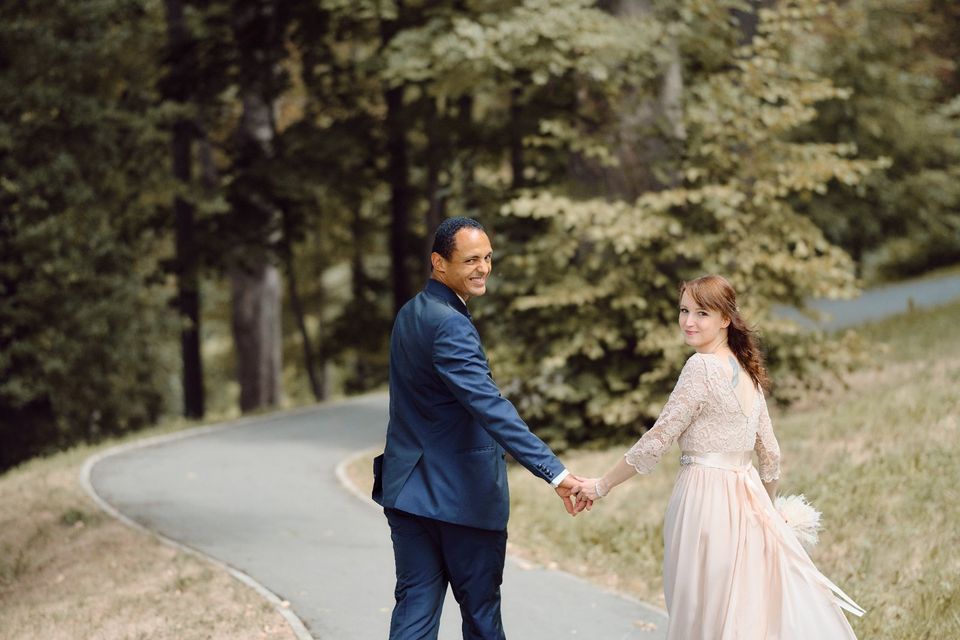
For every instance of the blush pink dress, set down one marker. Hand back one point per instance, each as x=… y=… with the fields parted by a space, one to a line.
x=732 y=568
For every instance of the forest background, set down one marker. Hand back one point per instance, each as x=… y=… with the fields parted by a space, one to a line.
x=217 y=207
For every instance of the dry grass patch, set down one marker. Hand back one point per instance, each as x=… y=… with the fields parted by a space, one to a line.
x=68 y=571
x=359 y=471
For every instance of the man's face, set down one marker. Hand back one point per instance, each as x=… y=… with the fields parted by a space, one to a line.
x=469 y=266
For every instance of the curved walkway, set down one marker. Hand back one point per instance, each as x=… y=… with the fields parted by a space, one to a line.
x=261 y=496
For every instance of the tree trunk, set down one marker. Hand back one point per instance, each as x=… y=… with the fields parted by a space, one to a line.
x=749 y=20
x=256 y=288
x=257 y=333
x=466 y=143
x=188 y=285
x=296 y=306
x=398 y=176
x=437 y=153
x=359 y=282
x=649 y=132
x=516 y=136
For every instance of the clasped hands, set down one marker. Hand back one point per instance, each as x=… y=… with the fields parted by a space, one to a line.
x=578 y=493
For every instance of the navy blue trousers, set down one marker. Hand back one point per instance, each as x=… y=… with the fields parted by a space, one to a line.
x=431 y=554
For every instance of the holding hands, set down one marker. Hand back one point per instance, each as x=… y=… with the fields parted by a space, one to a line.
x=585 y=490
x=572 y=487
x=591 y=490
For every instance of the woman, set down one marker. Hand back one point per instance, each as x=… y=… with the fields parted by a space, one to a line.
x=732 y=568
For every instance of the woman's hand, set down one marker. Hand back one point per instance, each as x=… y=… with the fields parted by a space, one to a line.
x=591 y=490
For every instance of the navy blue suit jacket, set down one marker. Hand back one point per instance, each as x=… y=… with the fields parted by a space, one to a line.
x=449 y=426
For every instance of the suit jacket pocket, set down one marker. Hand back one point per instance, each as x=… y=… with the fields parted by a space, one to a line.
x=484 y=449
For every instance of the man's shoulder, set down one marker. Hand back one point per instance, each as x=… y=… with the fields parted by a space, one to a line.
x=429 y=313
x=434 y=307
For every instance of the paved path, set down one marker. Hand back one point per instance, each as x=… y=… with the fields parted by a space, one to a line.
x=263 y=498
x=880 y=302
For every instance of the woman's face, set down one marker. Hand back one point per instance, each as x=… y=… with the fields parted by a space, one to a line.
x=703 y=329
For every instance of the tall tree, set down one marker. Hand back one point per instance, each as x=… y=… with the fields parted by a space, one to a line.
x=398 y=165
x=590 y=299
x=259 y=30
x=180 y=69
x=906 y=218
x=84 y=168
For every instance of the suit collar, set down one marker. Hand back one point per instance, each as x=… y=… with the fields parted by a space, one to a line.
x=445 y=293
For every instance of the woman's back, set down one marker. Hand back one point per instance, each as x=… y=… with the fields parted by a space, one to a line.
x=706 y=415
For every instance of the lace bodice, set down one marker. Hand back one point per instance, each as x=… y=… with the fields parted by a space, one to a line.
x=704 y=415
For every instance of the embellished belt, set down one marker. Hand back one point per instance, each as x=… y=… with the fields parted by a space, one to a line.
x=730 y=460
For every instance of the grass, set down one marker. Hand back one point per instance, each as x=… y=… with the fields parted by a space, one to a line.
x=68 y=571
x=878 y=457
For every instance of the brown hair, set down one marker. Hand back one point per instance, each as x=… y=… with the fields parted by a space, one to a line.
x=716 y=293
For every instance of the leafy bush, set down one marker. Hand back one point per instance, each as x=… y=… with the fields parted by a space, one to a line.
x=585 y=332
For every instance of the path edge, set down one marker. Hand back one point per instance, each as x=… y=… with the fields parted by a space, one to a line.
x=344 y=478
x=294 y=622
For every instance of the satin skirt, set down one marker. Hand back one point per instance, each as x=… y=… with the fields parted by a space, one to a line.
x=733 y=569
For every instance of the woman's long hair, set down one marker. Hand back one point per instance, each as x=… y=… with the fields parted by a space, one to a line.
x=716 y=293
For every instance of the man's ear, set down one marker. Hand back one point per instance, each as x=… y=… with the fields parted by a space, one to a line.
x=438 y=262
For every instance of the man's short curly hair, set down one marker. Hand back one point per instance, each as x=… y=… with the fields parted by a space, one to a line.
x=444 y=238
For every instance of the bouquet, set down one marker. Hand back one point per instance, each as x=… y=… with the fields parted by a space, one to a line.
x=802 y=518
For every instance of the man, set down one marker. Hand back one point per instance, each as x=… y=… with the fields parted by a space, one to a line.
x=442 y=478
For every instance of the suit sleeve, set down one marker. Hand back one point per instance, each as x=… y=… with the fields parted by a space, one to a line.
x=459 y=360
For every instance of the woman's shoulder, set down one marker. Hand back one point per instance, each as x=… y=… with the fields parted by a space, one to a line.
x=699 y=360
x=696 y=366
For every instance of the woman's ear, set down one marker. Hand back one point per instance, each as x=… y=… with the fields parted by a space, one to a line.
x=724 y=322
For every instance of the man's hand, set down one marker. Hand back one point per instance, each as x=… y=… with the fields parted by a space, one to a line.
x=567 y=489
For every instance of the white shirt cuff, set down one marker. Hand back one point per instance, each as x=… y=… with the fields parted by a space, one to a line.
x=560 y=476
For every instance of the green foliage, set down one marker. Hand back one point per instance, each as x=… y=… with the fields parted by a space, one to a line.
x=384 y=117
x=590 y=299
x=82 y=341
x=470 y=52
x=906 y=219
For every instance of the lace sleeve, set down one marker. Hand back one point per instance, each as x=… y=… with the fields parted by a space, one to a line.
x=767 y=448
x=685 y=402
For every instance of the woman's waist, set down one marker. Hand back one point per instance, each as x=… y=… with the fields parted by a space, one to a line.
x=729 y=460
